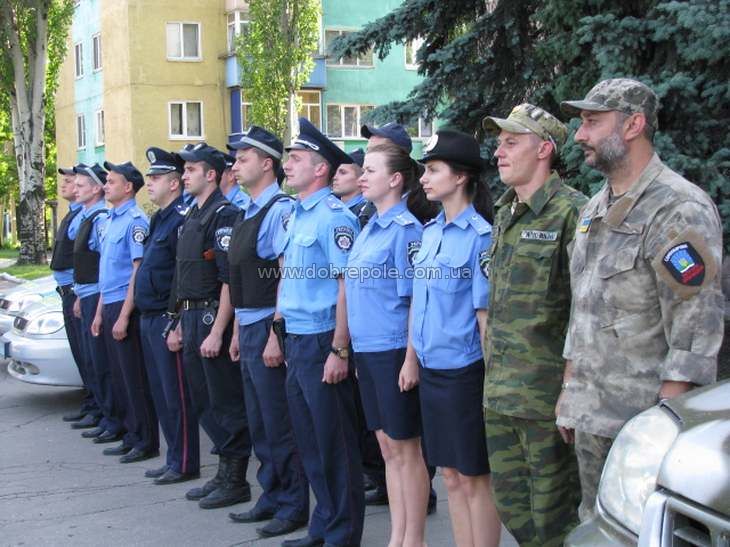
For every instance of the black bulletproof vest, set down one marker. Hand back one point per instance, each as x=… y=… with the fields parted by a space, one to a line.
x=63 y=247
x=195 y=268
x=86 y=261
x=253 y=280
x=363 y=211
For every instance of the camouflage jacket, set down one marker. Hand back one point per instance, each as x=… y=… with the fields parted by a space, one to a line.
x=647 y=304
x=530 y=300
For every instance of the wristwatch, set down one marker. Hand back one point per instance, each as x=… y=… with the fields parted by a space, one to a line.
x=342 y=353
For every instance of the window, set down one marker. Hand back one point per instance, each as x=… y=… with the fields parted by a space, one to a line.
x=80 y=131
x=99 y=128
x=79 y=59
x=186 y=120
x=183 y=41
x=238 y=22
x=246 y=106
x=420 y=129
x=96 y=46
x=344 y=121
x=411 y=49
x=364 y=60
x=310 y=107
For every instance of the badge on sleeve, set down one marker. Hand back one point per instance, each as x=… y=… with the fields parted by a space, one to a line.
x=223 y=238
x=139 y=233
x=484 y=260
x=412 y=250
x=685 y=264
x=285 y=220
x=344 y=237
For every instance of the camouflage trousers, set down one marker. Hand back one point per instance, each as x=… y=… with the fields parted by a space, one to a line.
x=534 y=478
x=591 y=451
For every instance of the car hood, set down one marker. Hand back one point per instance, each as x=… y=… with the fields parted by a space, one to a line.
x=697 y=465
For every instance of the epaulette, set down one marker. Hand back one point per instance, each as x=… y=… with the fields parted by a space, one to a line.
x=430 y=222
x=479 y=224
x=403 y=219
x=334 y=202
x=136 y=213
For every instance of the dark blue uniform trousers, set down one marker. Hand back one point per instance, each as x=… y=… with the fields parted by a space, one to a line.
x=215 y=387
x=107 y=392
x=125 y=359
x=325 y=426
x=170 y=395
x=86 y=370
x=281 y=475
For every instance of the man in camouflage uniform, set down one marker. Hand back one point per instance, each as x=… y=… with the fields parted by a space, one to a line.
x=534 y=472
x=647 y=312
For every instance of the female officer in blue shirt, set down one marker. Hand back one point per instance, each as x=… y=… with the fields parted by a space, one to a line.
x=378 y=289
x=448 y=317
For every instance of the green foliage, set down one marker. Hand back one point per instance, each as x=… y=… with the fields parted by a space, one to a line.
x=275 y=56
x=480 y=61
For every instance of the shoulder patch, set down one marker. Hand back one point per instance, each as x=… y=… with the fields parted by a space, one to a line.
x=334 y=202
x=412 y=250
x=403 y=219
x=686 y=264
x=479 y=224
x=223 y=238
x=285 y=220
x=135 y=212
x=344 y=237
x=139 y=234
x=484 y=260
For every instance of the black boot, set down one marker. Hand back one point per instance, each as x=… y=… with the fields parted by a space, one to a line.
x=201 y=491
x=235 y=488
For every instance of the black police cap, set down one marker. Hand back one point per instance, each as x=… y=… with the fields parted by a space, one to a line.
x=310 y=138
x=357 y=156
x=96 y=172
x=204 y=152
x=128 y=171
x=162 y=161
x=71 y=170
x=230 y=160
x=260 y=138
x=455 y=146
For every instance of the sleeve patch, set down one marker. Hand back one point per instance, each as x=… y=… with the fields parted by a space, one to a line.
x=285 y=220
x=223 y=238
x=412 y=250
x=484 y=260
x=139 y=234
x=686 y=264
x=344 y=237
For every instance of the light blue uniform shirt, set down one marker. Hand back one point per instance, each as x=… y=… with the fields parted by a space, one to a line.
x=238 y=197
x=379 y=280
x=66 y=277
x=123 y=242
x=318 y=240
x=359 y=198
x=449 y=285
x=82 y=290
x=268 y=244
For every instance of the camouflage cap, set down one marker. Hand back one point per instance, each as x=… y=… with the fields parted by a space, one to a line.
x=528 y=118
x=620 y=94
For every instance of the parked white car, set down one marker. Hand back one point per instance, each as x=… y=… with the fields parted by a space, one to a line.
x=15 y=299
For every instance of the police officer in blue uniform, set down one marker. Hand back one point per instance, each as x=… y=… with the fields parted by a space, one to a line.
x=121 y=253
x=229 y=186
x=319 y=236
x=87 y=245
x=152 y=286
x=345 y=187
x=203 y=300
x=255 y=241
x=88 y=415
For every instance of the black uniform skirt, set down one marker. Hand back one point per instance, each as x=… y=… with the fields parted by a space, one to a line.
x=453 y=419
x=397 y=413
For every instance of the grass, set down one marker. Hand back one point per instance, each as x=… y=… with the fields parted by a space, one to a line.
x=26 y=271
x=8 y=252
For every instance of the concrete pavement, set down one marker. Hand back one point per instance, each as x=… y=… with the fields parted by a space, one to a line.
x=58 y=489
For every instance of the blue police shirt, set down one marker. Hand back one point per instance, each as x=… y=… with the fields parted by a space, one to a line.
x=269 y=240
x=123 y=242
x=153 y=282
x=238 y=197
x=318 y=240
x=66 y=277
x=379 y=280
x=359 y=198
x=82 y=290
x=449 y=285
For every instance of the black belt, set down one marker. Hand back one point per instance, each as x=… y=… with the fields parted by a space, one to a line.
x=198 y=304
x=64 y=290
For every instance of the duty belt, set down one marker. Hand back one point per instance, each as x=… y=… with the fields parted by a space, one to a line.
x=198 y=304
x=64 y=290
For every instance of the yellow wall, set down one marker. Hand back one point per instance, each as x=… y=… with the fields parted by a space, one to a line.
x=65 y=119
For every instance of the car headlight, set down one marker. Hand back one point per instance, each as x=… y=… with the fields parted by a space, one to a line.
x=629 y=476
x=46 y=323
x=17 y=305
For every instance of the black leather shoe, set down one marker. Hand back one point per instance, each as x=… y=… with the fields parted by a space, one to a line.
x=137 y=455
x=155 y=473
x=87 y=422
x=306 y=541
x=172 y=477
x=117 y=450
x=431 y=507
x=280 y=527
x=73 y=416
x=376 y=497
x=92 y=433
x=108 y=437
x=254 y=515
